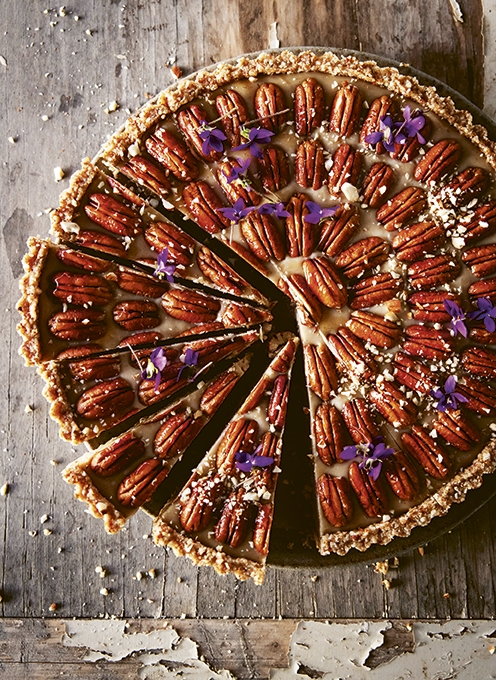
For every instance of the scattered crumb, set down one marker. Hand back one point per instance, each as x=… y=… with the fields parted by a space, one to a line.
x=446 y=596
x=492 y=648
x=101 y=571
x=113 y=106
x=139 y=575
x=12 y=140
x=386 y=583
x=4 y=490
x=44 y=518
x=47 y=532
x=152 y=573
x=53 y=606
x=28 y=408
x=381 y=567
x=33 y=533
x=104 y=591
x=54 y=462
x=176 y=71
x=3 y=61
x=421 y=551
x=59 y=174
x=314 y=578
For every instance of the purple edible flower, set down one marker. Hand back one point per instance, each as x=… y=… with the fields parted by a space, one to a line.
x=447 y=397
x=156 y=363
x=238 y=170
x=410 y=127
x=486 y=313
x=385 y=134
x=164 y=268
x=371 y=455
x=316 y=213
x=255 y=137
x=245 y=461
x=238 y=211
x=277 y=209
x=458 y=316
x=189 y=358
x=213 y=138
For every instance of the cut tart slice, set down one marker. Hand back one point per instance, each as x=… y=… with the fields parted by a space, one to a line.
x=223 y=515
x=122 y=475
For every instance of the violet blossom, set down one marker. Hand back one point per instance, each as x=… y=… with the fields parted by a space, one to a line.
x=245 y=461
x=486 y=313
x=254 y=137
x=447 y=397
x=238 y=211
x=316 y=214
x=384 y=134
x=189 y=358
x=156 y=363
x=410 y=127
x=370 y=454
x=164 y=267
x=276 y=209
x=212 y=138
x=238 y=170
x=458 y=316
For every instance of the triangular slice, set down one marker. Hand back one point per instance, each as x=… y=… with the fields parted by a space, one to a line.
x=223 y=515
x=123 y=474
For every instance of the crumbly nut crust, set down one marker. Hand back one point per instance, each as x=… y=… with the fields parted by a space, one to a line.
x=27 y=306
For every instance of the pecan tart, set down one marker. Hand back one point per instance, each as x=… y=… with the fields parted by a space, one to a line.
x=364 y=199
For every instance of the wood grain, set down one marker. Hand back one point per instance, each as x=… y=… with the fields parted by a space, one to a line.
x=69 y=73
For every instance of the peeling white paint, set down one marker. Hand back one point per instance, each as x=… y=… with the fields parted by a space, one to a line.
x=456 y=10
x=490 y=58
x=273 y=39
x=163 y=653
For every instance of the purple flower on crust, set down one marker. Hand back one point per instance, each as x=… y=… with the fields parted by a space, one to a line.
x=384 y=134
x=277 y=209
x=164 y=268
x=254 y=137
x=189 y=358
x=245 y=461
x=447 y=397
x=212 y=138
x=410 y=127
x=156 y=363
x=458 y=316
x=486 y=313
x=371 y=455
x=316 y=214
x=238 y=171
x=238 y=211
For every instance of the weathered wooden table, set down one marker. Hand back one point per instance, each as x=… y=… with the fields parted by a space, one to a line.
x=59 y=71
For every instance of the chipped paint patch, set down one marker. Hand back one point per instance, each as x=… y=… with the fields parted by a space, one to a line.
x=163 y=653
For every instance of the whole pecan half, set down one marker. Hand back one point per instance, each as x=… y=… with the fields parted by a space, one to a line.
x=278 y=402
x=335 y=499
x=345 y=110
x=483 y=289
x=413 y=374
x=263 y=237
x=273 y=164
x=78 y=325
x=456 y=429
x=173 y=154
x=180 y=246
x=481 y=260
x=429 y=342
x=106 y=399
x=198 y=502
x=427 y=452
x=346 y=166
x=479 y=223
x=402 y=476
x=393 y=404
x=176 y=434
x=362 y=256
x=235 y=315
x=432 y=271
x=376 y=184
x=233 y=522
x=371 y=492
x=104 y=243
x=325 y=282
x=270 y=107
x=320 y=370
x=375 y=329
x=283 y=360
x=217 y=391
x=309 y=307
x=73 y=258
x=113 y=215
x=204 y=206
x=418 y=240
x=94 y=368
x=479 y=333
x=351 y=355
x=480 y=361
x=375 y=290
x=144 y=337
x=82 y=289
x=240 y=435
x=233 y=113
x=309 y=106
x=191 y=121
x=380 y=107
x=464 y=187
x=126 y=192
x=481 y=396
x=439 y=161
x=428 y=306
x=261 y=530
x=169 y=384
x=139 y=486
x=237 y=188
x=402 y=207
x=136 y=315
x=190 y=305
x=219 y=273
x=310 y=170
x=139 y=283
x=301 y=236
x=115 y=457
x=407 y=151
x=358 y=419
x=145 y=173
x=338 y=230
x=329 y=433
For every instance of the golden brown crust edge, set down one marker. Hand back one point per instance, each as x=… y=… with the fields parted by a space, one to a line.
x=187 y=89
x=27 y=306
x=437 y=505
x=69 y=201
x=163 y=534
